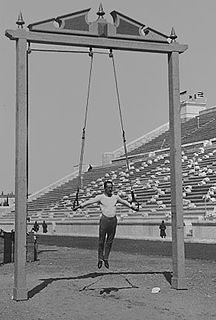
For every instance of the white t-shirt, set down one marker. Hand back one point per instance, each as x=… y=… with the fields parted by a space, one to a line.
x=107 y=204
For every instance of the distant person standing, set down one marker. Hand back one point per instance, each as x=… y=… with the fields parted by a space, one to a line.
x=44 y=226
x=108 y=220
x=162 y=228
x=36 y=227
x=53 y=226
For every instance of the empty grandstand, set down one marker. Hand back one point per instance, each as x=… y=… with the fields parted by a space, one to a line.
x=150 y=171
x=150 y=176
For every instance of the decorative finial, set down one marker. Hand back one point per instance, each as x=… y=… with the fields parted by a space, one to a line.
x=100 y=12
x=173 y=35
x=20 y=22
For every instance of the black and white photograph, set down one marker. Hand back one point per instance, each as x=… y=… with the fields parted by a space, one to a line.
x=108 y=160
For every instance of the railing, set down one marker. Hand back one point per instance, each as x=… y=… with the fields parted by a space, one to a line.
x=54 y=185
x=50 y=187
x=140 y=141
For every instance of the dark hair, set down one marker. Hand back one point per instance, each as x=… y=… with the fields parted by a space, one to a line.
x=106 y=182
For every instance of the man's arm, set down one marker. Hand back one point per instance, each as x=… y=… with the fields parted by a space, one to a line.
x=127 y=204
x=88 y=202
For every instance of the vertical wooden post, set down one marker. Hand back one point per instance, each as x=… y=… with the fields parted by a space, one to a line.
x=20 y=290
x=178 y=256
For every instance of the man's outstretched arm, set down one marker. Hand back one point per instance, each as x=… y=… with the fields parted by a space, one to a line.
x=88 y=202
x=128 y=204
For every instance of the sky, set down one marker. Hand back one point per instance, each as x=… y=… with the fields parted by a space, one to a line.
x=58 y=85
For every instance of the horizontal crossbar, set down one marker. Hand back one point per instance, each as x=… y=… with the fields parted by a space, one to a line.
x=65 y=51
x=95 y=42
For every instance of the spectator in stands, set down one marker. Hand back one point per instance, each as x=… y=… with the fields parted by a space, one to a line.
x=162 y=228
x=44 y=226
x=36 y=226
x=108 y=220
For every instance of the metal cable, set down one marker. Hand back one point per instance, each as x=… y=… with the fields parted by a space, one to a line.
x=120 y=113
x=76 y=201
x=122 y=126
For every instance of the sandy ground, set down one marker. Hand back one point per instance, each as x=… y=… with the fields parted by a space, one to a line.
x=66 y=284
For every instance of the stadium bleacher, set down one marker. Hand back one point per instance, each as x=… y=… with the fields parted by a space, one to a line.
x=150 y=176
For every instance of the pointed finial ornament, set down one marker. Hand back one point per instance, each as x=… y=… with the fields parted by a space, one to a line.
x=100 y=12
x=20 y=22
x=173 y=35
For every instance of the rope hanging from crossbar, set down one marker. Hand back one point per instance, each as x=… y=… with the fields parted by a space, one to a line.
x=122 y=126
x=79 y=183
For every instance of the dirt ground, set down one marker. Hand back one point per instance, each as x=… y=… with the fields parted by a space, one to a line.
x=66 y=284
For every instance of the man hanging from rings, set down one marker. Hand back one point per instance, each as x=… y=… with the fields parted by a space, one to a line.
x=108 y=220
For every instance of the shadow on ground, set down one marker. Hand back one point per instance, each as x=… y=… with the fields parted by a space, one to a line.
x=93 y=275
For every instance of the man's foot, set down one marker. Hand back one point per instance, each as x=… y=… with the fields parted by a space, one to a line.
x=106 y=264
x=100 y=263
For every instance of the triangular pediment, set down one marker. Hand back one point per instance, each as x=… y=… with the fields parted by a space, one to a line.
x=127 y=27
x=73 y=22
x=123 y=27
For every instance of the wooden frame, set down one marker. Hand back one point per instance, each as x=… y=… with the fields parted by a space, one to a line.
x=124 y=34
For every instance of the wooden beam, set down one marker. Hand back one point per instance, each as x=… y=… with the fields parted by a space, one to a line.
x=20 y=290
x=173 y=50
x=94 y=42
x=178 y=280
